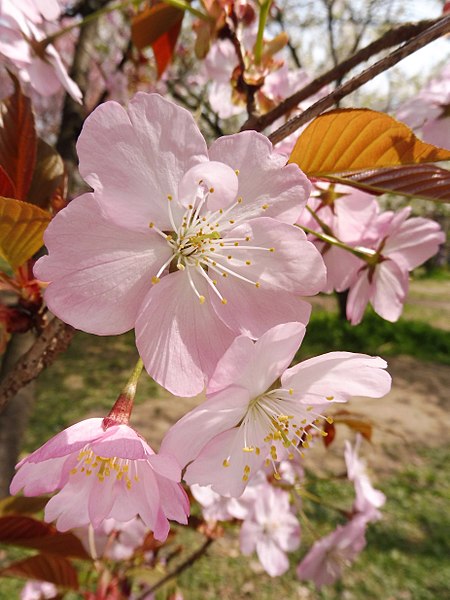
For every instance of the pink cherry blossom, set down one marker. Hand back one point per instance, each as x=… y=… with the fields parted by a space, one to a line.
x=103 y=473
x=328 y=556
x=38 y=590
x=272 y=530
x=21 y=34
x=113 y=539
x=402 y=245
x=368 y=499
x=190 y=247
x=247 y=421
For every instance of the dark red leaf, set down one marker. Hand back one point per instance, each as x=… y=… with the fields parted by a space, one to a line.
x=164 y=47
x=7 y=187
x=18 y=140
x=45 y=567
x=152 y=23
x=330 y=430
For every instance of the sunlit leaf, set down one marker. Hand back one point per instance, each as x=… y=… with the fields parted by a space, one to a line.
x=27 y=532
x=356 y=422
x=425 y=181
x=164 y=47
x=21 y=229
x=48 y=175
x=45 y=567
x=22 y=505
x=359 y=139
x=153 y=22
x=18 y=140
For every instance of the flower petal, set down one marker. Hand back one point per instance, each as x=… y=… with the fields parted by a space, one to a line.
x=358 y=297
x=219 y=179
x=99 y=281
x=391 y=288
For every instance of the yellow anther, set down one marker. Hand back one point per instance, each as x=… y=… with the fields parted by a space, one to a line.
x=73 y=471
x=224 y=275
x=309 y=408
x=247 y=238
x=265 y=206
x=257 y=284
x=330 y=398
x=229 y=257
x=236 y=171
x=244 y=477
x=271 y=249
x=180 y=267
x=277 y=476
x=291 y=391
x=155 y=279
x=247 y=469
x=226 y=463
x=211 y=190
x=169 y=197
x=224 y=301
x=151 y=225
x=231 y=221
x=214 y=281
x=190 y=206
x=324 y=433
x=248 y=449
x=257 y=451
x=329 y=420
x=202 y=299
x=236 y=243
x=247 y=262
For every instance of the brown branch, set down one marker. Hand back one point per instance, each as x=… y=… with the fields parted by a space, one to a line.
x=182 y=567
x=54 y=339
x=429 y=35
x=393 y=37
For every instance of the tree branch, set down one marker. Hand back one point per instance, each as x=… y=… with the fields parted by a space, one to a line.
x=393 y=37
x=54 y=339
x=441 y=27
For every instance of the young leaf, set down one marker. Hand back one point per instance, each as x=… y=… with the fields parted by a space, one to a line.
x=22 y=226
x=47 y=177
x=27 y=532
x=22 y=505
x=164 y=47
x=357 y=139
x=45 y=567
x=153 y=22
x=6 y=185
x=18 y=140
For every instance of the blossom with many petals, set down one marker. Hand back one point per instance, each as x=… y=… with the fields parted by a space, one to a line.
x=402 y=244
x=272 y=530
x=190 y=247
x=103 y=473
x=331 y=554
x=22 y=42
x=248 y=419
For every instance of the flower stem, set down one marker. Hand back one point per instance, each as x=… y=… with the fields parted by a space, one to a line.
x=366 y=254
x=121 y=411
x=263 y=13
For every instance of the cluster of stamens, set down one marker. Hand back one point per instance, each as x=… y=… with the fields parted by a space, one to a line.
x=273 y=412
x=198 y=244
x=101 y=467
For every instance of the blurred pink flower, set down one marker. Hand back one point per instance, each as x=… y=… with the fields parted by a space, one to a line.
x=21 y=34
x=271 y=530
x=103 y=473
x=113 y=539
x=38 y=590
x=368 y=499
x=402 y=245
x=247 y=421
x=190 y=247
x=328 y=556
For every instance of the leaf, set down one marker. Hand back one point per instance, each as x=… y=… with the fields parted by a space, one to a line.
x=47 y=177
x=164 y=47
x=355 y=422
x=330 y=430
x=27 y=532
x=7 y=187
x=45 y=567
x=21 y=505
x=425 y=181
x=153 y=22
x=18 y=140
x=22 y=226
x=355 y=139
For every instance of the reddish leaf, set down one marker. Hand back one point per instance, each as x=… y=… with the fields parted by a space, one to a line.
x=45 y=567
x=330 y=430
x=164 y=47
x=18 y=140
x=153 y=22
x=47 y=177
x=355 y=422
x=30 y=533
x=6 y=185
x=425 y=181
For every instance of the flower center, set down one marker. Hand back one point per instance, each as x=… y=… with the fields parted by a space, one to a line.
x=101 y=467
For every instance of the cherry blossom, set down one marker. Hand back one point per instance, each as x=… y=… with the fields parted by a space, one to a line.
x=324 y=563
x=271 y=530
x=190 y=247
x=402 y=245
x=22 y=42
x=38 y=590
x=103 y=473
x=248 y=419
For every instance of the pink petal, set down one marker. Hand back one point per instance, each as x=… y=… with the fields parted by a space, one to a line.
x=272 y=558
x=121 y=441
x=191 y=433
x=99 y=280
x=179 y=339
x=256 y=366
x=358 y=297
x=166 y=466
x=174 y=500
x=338 y=375
x=262 y=177
x=391 y=288
x=39 y=478
x=215 y=176
x=60 y=71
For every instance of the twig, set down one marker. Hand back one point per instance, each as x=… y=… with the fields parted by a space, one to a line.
x=182 y=567
x=430 y=34
x=54 y=339
x=393 y=37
